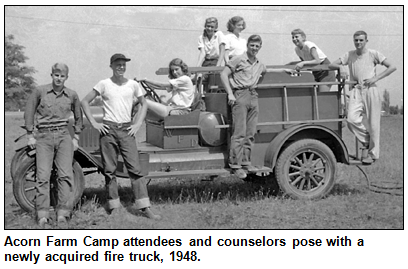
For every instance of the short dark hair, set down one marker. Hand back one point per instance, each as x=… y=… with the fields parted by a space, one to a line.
x=178 y=62
x=360 y=32
x=254 y=38
x=234 y=20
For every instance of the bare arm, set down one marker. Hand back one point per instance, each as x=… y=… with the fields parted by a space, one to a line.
x=139 y=118
x=102 y=128
x=337 y=65
x=201 y=57
x=280 y=70
x=315 y=60
x=390 y=69
x=157 y=85
x=222 y=55
x=225 y=82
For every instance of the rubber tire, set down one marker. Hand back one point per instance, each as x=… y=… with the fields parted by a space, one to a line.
x=25 y=198
x=297 y=149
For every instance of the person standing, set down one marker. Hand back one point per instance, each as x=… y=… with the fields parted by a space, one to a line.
x=365 y=97
x=52 y=105
x=234 y=43
x=211 y=44
x=117 y=134
x=239 y=78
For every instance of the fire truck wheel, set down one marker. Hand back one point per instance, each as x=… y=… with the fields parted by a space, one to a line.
x=25 y=181
x=306 y=169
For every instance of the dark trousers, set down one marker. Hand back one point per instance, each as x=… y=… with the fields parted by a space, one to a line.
x=116 y=142
x=54 y=147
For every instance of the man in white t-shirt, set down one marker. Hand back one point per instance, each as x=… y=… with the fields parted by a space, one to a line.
x=365 y=97
x=117 y=133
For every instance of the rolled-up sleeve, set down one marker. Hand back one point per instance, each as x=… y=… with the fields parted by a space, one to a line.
x=76 y=109
x=31 y=108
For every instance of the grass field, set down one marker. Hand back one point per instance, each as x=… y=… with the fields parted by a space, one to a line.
x=228 y=203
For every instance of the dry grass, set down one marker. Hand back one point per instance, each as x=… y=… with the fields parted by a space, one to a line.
x=228 y=203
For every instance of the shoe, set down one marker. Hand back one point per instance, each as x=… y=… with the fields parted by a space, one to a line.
x=239 y=172
x=149 y=214
x=121 y=213
x=44 y=224
x=249 y=168
x=367 y=160
x=62 y=222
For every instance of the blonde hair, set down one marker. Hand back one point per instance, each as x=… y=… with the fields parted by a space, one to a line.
x=210 y=20
x=299 y=32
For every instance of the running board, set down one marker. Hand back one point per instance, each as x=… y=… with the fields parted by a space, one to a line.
x=207 y=172
x=354 y=161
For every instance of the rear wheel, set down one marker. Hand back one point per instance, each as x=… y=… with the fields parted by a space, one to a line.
x=306 y=169
x=25 y=182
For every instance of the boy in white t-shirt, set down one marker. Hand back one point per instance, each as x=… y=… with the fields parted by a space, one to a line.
x=310 y=54
x=117 y=134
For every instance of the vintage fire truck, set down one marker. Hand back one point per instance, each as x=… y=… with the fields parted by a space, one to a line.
x=298 y=141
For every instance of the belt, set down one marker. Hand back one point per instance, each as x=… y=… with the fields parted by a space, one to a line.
x=52 y=129
x=243 y=89
x=360 y=87
x=117 y=125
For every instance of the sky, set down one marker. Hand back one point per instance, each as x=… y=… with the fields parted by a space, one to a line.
x=84 y=37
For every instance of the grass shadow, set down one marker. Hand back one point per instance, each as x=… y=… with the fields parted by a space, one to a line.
x=176 y=191
x=346 y=189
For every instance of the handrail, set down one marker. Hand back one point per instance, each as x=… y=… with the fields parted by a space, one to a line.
x=222 y=126
x=204 y=70
x=218 y=69
x=288 y=84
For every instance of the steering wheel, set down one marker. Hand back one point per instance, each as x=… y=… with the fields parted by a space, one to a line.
x=149 y=92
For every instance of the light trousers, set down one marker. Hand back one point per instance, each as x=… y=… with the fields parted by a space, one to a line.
x=366 y=101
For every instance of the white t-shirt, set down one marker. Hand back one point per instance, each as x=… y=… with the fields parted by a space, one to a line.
x=305 y=53
x=235 y=45
x=118 y=100
x=211 y=47
x=182 y=92
x=362 y=67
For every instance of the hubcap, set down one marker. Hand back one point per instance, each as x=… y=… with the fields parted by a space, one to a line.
x=307 y=171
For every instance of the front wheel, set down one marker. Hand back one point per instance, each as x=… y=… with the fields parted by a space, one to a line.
x=25 y=182
x=306 y=169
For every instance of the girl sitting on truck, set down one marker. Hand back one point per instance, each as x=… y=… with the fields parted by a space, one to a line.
x=181 y=88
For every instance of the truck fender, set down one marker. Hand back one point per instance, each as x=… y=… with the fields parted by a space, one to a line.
x=277 y=144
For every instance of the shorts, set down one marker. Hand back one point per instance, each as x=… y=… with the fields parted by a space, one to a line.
x=210 y=62
x=177 y=111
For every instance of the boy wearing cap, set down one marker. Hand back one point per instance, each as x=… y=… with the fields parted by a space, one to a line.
x=118 y=132
x=52 y=104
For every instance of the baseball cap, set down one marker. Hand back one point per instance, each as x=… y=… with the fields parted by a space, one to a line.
x=118 y=56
